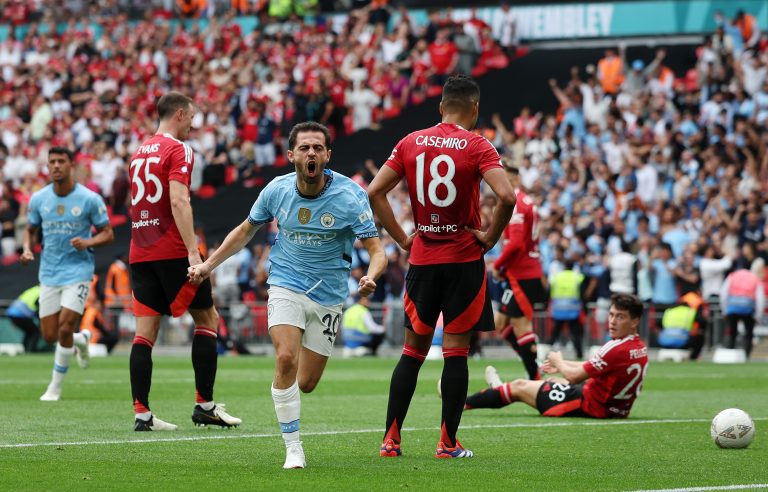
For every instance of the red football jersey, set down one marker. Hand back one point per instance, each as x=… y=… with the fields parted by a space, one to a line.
x=157 y=161
x=441 y=55
x=616 y=376
x=443 y=166
x=520 y=256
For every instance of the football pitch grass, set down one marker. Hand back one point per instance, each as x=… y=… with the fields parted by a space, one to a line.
x=87 y=441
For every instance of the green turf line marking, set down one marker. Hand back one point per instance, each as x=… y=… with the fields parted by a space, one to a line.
x=570 y=423
x=722 y=487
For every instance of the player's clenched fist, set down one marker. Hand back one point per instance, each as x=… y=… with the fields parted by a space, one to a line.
x=366 y=286
x=78 y=243
x=27 y=257
x=198 y=273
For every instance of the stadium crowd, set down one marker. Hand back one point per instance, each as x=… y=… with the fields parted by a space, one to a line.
x=667 y=170
x=92 y=87
x=670 y=168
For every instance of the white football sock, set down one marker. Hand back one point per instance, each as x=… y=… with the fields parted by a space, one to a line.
x=61 y=359
x=145 y=416
x=208 y=405
x=288 y=408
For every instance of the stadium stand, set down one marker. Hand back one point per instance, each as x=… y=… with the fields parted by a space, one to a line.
x=623 y=150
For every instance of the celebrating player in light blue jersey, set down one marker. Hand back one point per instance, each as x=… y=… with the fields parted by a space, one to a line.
x=319 y=213
x=65 y=211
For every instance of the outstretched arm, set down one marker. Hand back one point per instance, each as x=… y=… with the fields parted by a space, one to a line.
x=561 y=96
x=234 y=242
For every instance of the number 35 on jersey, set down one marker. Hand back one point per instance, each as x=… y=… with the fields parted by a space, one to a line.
x=142 y=176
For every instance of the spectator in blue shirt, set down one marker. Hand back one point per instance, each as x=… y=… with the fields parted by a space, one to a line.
x=662 y=272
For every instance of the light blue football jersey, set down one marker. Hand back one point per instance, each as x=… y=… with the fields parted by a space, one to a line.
x=313 y=250
x=63 y=218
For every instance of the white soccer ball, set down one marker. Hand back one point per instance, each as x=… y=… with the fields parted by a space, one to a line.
x=732 y=428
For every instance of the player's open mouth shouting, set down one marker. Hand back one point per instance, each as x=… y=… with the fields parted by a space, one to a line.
x=311 y=168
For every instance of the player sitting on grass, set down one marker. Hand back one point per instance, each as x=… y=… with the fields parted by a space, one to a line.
x=603 y=387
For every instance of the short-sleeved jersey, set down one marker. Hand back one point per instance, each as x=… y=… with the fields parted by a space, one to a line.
x=158 y=161
x=443 y=166
x=313 y=250
x=520 y=256
x=616 y=377
x=63 y=218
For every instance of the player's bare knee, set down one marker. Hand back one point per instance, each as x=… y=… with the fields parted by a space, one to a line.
x=518 y=385
x=421 y=342
x=50 y=337
x=208 y=318
x=285 y=362
x=66 y=328
x=308 y=385
x=213 y=319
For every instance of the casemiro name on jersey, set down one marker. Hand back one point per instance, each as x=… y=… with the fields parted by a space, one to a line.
x=442 y=142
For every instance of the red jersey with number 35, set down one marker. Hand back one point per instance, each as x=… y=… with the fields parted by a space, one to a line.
x=616 y=376
x=520 y=256
x=157 y=162
x=443 y=166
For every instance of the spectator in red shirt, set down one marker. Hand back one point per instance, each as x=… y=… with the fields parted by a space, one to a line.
x=249 y=121
x=17 y=12
x=443 y=56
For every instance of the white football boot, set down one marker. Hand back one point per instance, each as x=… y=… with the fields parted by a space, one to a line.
x=294 y=456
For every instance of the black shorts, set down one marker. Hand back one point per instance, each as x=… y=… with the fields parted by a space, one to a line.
x=523 y=299
x=560 y=400
x=162 y=287
x=458 y=290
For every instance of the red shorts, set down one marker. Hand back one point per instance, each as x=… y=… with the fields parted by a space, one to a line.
x=458 y=290
x=162 y=287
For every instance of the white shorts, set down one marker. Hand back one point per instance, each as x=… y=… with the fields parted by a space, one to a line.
x=319 y=323
x=72 y=297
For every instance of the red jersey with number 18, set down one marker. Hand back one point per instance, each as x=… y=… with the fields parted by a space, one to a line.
x=443 y=166
x=158 y=161
x=616 y=376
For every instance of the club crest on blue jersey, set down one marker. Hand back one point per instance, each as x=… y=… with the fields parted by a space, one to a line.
x=76 y=211
x=304 y=215
x=327 y=220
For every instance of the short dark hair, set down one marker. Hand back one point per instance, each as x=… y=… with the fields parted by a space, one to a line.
x=628 y=302
x=62 y=151
x=460 y=92
x=309 y=126
x=172 y=102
